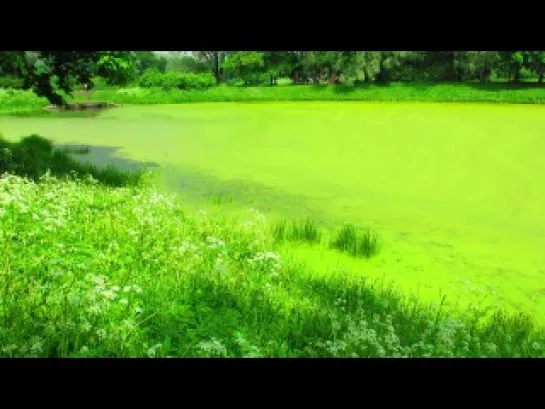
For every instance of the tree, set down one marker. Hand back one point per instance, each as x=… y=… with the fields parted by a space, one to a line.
x=536 y=62
x=245 y=65
x=185 y=63
x=480 y=63
x=277 y=63
x=360 y=64
x=214 y=60
x=59 y=71
x=512 y=63
x=148 y=59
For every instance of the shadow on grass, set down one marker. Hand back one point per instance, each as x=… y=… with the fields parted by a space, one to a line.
x=424 y=86
x=505 y=86
x=34 y=156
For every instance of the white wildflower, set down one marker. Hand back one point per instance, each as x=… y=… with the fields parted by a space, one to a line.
x=153 y=349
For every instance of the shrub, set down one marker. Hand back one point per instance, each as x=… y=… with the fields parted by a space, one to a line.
x=175 y=80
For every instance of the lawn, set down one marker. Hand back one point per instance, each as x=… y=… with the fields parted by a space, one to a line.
x=453 y=190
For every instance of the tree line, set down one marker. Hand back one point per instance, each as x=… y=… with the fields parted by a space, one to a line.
x=367 y=66
x=352 y=66
x=53 y=74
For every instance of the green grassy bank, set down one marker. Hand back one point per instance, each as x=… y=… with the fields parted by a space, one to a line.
x=94 y=271
x=24 y=102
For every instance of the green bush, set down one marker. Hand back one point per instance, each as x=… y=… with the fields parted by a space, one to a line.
x=175 y=80
x=11 y=82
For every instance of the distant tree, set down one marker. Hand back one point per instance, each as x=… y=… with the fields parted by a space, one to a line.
x=277 y=63
x=214 y=61
x=536 y=62
x=361 y=64
x=512 y=63
x=144 y=60
x=479 y=64
x=245 y=65
x=52 y=72
x=185 y=63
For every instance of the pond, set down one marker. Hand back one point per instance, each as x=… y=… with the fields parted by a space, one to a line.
x=454 y=190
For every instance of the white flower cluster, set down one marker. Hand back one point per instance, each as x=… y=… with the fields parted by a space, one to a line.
x=266 y=260
x=212 y=348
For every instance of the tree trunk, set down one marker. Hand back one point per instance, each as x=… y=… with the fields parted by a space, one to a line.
x=517 y=75
x=540 y=77
x=459 y=75
x=217 y=68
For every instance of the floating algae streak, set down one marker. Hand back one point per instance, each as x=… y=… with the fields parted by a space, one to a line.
x=82 y=106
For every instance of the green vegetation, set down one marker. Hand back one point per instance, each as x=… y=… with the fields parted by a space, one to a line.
x=175 y=80
x=34 y=156
x=296 y=230
x=391 y=229
x=55 y=75
x=21 y=102
x=356 y=242
x=92 y=271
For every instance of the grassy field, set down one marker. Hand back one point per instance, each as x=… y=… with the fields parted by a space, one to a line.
x=25 y=103
x=453 y=190
x=92 y=271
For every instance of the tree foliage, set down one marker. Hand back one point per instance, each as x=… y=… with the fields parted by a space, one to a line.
x=214 y=60
x=246 y=65
x=53 y=73
x=145 y=60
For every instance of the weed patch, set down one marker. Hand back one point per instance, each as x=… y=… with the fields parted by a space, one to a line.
x=356 y=242
x=305 y=230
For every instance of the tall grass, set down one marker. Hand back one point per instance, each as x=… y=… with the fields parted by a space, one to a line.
x=296 y=230
x=355 y=241
x=23 y=102
x=88 y=270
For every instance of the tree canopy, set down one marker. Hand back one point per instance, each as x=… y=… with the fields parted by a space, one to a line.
x=53 y=73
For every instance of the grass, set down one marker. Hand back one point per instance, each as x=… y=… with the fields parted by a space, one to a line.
x=443 y=184
x=34 y=156
x=25 y=103
x=355 y=241
x=89 y=270
x=296 y=230
x=491 y=93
